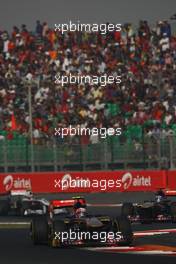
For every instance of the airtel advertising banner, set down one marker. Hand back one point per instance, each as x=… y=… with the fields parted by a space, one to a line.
x=171 y=180
x=99 y=181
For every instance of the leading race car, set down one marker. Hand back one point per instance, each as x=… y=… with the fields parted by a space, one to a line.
x=22 y=203
x=163 y=208
x=69 y=224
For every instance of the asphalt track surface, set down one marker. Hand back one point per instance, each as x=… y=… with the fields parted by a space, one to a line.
x=17 y=248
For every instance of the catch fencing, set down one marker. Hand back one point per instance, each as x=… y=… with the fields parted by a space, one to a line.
x=113 y=153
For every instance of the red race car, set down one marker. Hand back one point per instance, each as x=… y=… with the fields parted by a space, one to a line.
x=69 y=224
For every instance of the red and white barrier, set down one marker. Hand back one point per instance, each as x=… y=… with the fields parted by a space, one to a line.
x=98 y=181
x=171 y=180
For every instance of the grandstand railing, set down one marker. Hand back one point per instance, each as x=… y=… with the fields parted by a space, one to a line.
x=112 y=153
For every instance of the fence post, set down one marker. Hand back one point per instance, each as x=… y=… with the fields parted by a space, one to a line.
x=55 y=154
x=27 y=155
x=105 y=150
x=5 y=156
x=159 y=152
x=171 y=154
x=143 y=148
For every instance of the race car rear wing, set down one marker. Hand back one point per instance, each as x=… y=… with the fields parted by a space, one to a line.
x=62 y=203
x=66 y=203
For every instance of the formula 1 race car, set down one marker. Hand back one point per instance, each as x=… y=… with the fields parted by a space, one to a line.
x=22 y=203
x=161 y=209
x=68 y=224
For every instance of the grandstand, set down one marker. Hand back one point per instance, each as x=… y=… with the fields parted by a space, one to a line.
x=143 y=105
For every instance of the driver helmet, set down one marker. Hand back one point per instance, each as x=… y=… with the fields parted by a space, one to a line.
x=160 y=195
x=29 y=193
x=79 y=209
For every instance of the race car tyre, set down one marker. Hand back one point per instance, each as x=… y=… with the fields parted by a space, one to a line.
x=123 y=226
x=173 y=212
x=4 y=207
x=127 y=209
x=39 y=230
x=146 y=215
x=58 y=228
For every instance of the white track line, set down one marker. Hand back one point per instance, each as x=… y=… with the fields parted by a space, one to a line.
x=14 y=223
x=104 y=205
x=107 y=205
x=154 y=232
x=108 y=248
x=130 y=250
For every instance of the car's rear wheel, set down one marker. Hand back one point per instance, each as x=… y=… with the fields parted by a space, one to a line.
x=39 y=230
x=123 y=226
x=4 y=207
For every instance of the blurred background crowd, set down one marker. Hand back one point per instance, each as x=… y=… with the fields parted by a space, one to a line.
x=144 y=102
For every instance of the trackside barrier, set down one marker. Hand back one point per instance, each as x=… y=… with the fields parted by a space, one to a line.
x=106 y=181
x=171 y=180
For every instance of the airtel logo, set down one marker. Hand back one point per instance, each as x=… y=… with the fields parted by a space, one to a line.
x=129 y=180
x=8 y=182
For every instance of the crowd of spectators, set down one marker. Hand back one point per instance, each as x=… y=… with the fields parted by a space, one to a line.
x=144 y=57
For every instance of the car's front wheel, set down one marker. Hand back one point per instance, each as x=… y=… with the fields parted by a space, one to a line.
x=39 y=230
x=4 y=207
x=123 y=226
x=127 y=209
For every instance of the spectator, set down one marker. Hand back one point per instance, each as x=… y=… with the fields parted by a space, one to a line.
x=145 y=59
